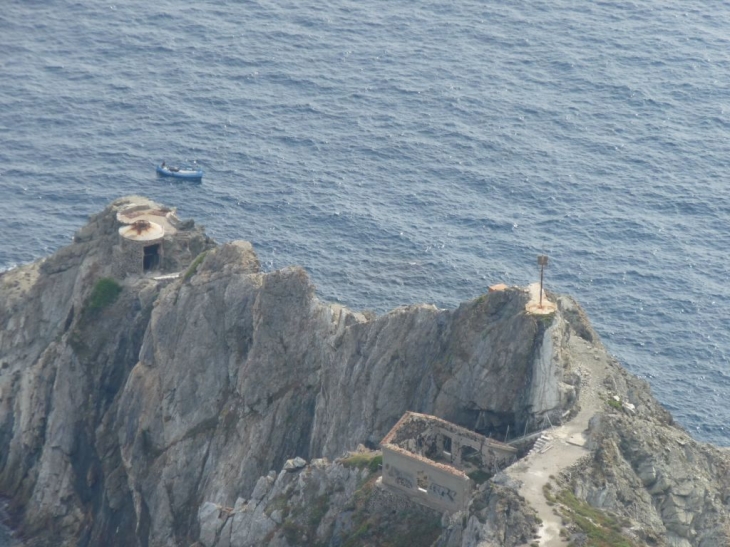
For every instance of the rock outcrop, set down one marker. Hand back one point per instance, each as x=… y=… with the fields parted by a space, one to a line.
x=151 y=410
x=665 y=487
x=344 y=503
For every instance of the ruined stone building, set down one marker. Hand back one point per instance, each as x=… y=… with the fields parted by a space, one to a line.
x=141 y=238
x=153 y=239
x=430 y=460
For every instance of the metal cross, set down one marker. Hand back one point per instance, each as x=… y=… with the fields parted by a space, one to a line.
x=542 y=261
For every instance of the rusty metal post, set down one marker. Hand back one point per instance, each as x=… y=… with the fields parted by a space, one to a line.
x=542 y=261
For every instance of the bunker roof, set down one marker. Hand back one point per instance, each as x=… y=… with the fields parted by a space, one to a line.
x=141 y=208
x=142 y=230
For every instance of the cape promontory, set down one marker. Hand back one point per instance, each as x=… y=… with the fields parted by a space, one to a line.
x=159 y=389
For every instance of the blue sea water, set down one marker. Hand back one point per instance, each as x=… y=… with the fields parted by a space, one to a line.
x=405 y=152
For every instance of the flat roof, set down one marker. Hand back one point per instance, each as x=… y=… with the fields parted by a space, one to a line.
x=142 y=231
x=144 y=209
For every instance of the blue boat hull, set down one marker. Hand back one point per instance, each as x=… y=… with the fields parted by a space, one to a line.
x=188 y=174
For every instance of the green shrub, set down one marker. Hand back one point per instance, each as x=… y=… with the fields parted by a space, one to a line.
x=355 y=539
x=614 y=403
x=194 y=266
x=293 y=532
x=361 y=460
x=319 y=510
x=547 y=491
x=375 y=463
x=104 y=293
x=279 y=503
x=601 y=529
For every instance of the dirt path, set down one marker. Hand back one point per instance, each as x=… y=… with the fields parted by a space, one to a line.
x=563 y=445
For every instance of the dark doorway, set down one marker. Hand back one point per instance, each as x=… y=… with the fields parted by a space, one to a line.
x=152 y=257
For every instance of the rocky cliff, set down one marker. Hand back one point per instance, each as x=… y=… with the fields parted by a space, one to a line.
x=160 y=410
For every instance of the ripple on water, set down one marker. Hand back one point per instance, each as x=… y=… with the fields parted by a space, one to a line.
x=405 y=153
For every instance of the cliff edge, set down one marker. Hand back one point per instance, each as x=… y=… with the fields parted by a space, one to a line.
x=154 y=384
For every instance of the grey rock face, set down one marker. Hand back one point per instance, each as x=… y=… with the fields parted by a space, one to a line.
x=496 y=517
x=156 y=420
x=294 y=464
x=240 y=371
x=62 y=367
x=338 y=504
x=668 y=486
x=191 y=390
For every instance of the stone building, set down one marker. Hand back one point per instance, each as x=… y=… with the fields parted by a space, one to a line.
x=142 y=238
x=152 y=239
x=430 y=460
x=140 y=248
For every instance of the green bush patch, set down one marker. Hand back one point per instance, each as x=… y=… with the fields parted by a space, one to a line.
x=361 y=460
x=319 y=510
x=194 y=266
x=614 y=403
x=104 y=293
x=601 y=529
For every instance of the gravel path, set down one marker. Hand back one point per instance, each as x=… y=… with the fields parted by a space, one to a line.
x=563 y=445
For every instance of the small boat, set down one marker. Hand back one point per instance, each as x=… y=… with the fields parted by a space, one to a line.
x=182 y=172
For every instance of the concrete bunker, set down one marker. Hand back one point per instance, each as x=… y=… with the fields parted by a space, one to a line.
x=139 y=248
x=145 y=232
x=430 y=460
x=152 y=241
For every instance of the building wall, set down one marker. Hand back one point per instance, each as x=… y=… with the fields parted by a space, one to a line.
x=443 y=490
x=128 y=257
x=494 y=455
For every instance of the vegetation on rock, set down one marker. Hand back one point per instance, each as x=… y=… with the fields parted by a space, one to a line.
x=594 y=527
x=104 y=293
x=361 y=460
x=194 y=266
x=405 y=528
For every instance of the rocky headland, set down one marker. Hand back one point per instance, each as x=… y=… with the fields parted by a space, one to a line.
x=201 y=401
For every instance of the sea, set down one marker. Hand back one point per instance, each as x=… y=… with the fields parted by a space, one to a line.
x=405 y=152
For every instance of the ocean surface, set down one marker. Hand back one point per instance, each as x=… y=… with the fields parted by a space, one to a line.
x=405 y=152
